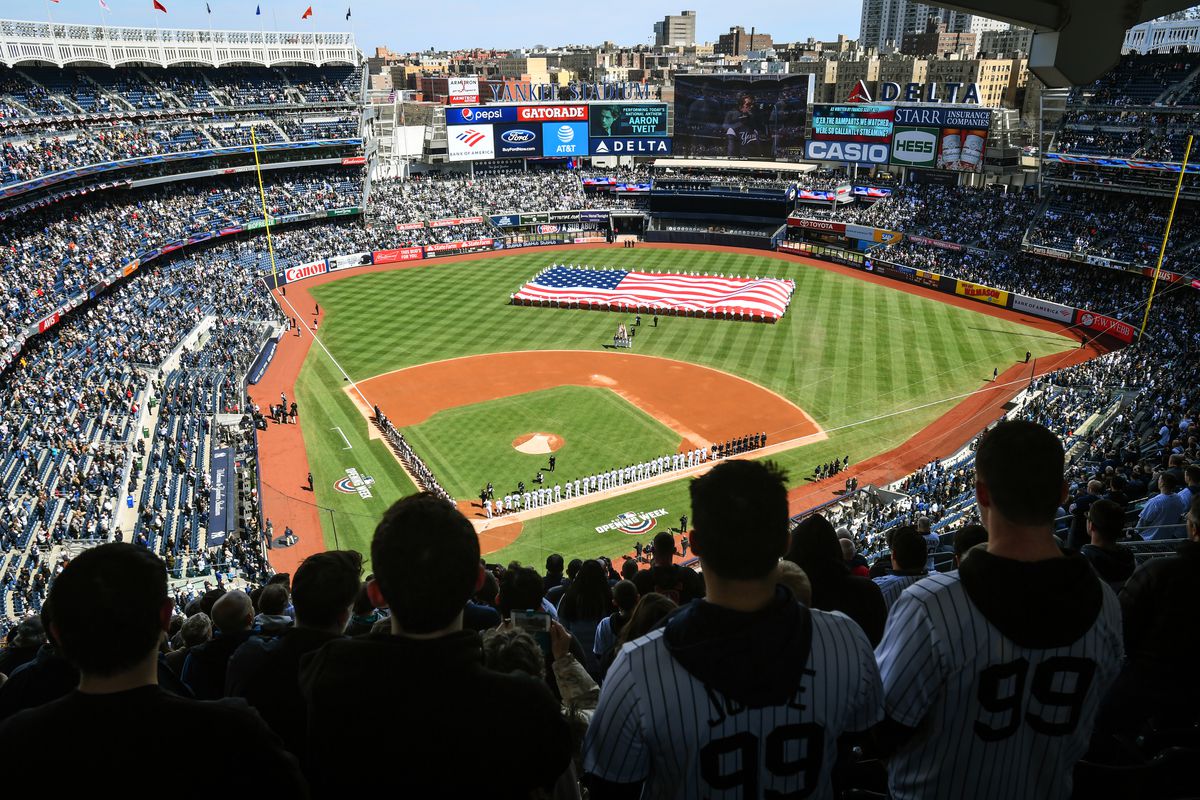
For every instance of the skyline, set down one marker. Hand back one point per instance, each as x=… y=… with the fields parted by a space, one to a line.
x=466 y=25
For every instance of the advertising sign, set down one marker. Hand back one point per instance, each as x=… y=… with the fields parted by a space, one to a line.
x=815 y=195
x=553 y=114
x=302 y=271
x=984 y=294
x=463 y=91
x=480 y=115
x=608 y=146
x=222 y=519
x=915 y=147
x=471 y=143
x=350 y=260
x=961 y=137
x=1042 y=308
x=451 y=222
x=856 y=152
x=859 y=133
x=818 y=225
x=1107 y=326
x=562 y=139
x=740 y=116
x=518 y=140
x=617 y=120
x=401 y=254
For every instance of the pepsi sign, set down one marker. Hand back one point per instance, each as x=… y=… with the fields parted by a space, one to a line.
x=480 y=115
x=518 y=141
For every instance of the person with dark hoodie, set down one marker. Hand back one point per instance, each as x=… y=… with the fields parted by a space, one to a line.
x=1105 y=526
x=110 y=612
x=1158 y=609
x=266 y=671
x=993 y=673
x=745 y=688
x=416 y=692
x=205 y=667
x=815 y=550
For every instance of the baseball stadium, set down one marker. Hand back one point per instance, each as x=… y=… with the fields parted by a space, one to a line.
x=734 y=420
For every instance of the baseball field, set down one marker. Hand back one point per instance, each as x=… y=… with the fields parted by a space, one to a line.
x=485 y=390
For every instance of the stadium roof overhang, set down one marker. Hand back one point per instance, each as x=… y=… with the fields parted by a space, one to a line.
x=1075 y=41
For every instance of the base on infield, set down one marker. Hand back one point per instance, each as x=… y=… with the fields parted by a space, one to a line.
x=537 y=444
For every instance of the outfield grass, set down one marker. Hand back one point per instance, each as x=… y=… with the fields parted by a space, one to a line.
x=850 y=352
x=600 y=431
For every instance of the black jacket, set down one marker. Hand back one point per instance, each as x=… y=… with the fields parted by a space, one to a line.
x=48 y=677
x=266 y=672
x=131 y=740
x=1160 y=605
x=858 y=598
x=1114 y=566
x=450 y=727
x=205 y=666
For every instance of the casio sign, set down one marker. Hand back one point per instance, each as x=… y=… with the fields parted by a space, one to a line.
x=859 y=152
x=518 y=136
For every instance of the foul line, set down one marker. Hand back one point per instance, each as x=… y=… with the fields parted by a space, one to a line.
x=344 y=439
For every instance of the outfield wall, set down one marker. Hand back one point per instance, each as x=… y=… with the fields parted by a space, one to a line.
x=1111 y=331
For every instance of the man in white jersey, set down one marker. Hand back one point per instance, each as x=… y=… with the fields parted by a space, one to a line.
x=993 y=674
x=745 y=693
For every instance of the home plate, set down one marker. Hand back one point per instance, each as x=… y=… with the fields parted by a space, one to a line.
x=536 y=444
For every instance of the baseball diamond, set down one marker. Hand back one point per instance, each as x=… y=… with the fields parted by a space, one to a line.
x=441 y=349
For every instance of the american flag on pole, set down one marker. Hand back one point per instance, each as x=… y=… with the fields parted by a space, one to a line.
x=765 y=298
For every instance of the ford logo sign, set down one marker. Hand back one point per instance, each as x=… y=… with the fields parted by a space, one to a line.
x=518 y=136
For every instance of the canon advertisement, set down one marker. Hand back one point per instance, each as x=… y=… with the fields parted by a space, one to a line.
x=739 y=116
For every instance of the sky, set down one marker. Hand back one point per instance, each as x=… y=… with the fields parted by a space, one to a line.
x=452 y=24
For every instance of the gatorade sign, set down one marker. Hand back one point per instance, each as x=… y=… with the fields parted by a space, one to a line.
x=915 y=147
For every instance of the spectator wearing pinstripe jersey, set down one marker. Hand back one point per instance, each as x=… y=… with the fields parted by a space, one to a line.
x=742 y=694
x=908 y=564
x=993 y=674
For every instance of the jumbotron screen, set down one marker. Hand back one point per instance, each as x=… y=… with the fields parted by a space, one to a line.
x=735 y=116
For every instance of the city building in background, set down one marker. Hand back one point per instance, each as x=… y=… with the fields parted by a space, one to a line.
x=936 y=40
x=885 y=22
x=676 y=29
x=738 y=43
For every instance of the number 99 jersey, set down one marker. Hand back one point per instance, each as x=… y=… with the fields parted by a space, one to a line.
x=994 y=719
x=660 y=725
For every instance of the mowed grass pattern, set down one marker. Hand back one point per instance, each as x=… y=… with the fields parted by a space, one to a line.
x=872 y=364
x=600 y=431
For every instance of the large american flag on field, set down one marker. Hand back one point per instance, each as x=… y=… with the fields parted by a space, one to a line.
x=621 y=289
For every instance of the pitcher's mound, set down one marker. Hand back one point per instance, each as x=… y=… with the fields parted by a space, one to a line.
x=536 y=444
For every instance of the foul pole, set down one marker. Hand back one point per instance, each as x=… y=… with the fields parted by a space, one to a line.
x=1162 y=251
x=262 y=195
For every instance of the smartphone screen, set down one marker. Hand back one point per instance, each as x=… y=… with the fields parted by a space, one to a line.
x=536 y=624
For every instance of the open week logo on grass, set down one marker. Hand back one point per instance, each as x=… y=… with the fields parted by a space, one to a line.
x=354 y=483
x=633 y=523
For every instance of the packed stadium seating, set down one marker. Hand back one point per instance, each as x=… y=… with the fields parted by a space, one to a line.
x=108 y=419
